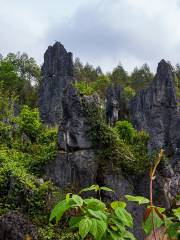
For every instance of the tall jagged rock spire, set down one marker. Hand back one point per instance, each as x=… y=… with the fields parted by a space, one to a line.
x=57 y=72
x=155 y=110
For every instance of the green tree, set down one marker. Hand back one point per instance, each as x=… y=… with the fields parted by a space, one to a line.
x=8 y=75
x=26 y=67
x=20 y=74
x=87 y=72
x=141 y=77
x=119 y=76
x=29 y=122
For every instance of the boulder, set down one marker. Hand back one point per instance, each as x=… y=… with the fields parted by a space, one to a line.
x=16 y=226
x=57 y=72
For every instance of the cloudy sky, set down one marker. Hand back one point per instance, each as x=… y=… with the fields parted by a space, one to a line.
x=102 y=32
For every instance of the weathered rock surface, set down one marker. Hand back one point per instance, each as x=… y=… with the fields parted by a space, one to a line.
x=74 y=127
x=15 y=226
x=57 y=72
x=155 y=110
x=116 y=108
x=74 y=169
x=75 y=164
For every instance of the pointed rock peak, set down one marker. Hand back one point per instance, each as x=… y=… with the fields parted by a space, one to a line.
x=57 y=47
x=57 y=61
x=162 y=88
x=57 y=73
x=164 y=69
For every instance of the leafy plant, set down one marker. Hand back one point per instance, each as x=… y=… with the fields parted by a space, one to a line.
x=155 y=217
x=125 y=131
x=29 y=122
x=85 y=88
x=93 y=218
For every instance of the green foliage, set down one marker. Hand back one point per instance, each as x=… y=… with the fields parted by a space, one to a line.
x=7 y=101
x=129 y=93
x=139 y=199
x=141 y=77
x=85 y=88
x=20 y=75
x=21 y=189
x=93 y=218
x=25 y=146
x=137 y=143
x=8 y=75
x=99 y=85
x=51 y=232
x=128 y=151
x=86 y=73
x=119 y=76
x=125 y=131
x=25 y=66
x=29 y=122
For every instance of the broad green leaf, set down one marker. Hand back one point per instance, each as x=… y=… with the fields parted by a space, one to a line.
x=91 y=188
x=173 y=230
x=78 y=200
x=114 y=228
x=124 y=216
x=147 y=226
x=84 y=227
x=74 y=221
x=117 y=204
x=168 y=221
x=114 y=235
x=101 y=229
x=59 y=210
x=94 y=204
x=118 y=223
x=98 y=214
x=106 y=189
x=68 y=196
x=160 y=209
x=139 y=199
x=129 y=235
x=93 y=229
x=177 y=213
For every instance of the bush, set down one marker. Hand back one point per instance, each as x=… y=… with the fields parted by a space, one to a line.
x=85 y=88
x=93 y=218
x=125 y=131
x=22 y=159
x=129 y=93
x=29 y=122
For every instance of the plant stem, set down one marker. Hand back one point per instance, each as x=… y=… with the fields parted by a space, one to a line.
x=151 y=204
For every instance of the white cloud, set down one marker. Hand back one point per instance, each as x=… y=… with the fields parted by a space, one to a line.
x=102 y=32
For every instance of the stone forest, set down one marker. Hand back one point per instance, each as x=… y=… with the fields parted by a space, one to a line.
x=88 y=155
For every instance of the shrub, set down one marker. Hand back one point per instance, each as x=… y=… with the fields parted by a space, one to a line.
x=85 y=88
x=29 y=122
x=116 y=145
x=93 y=218
x=125 y=131
x=129 y=93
